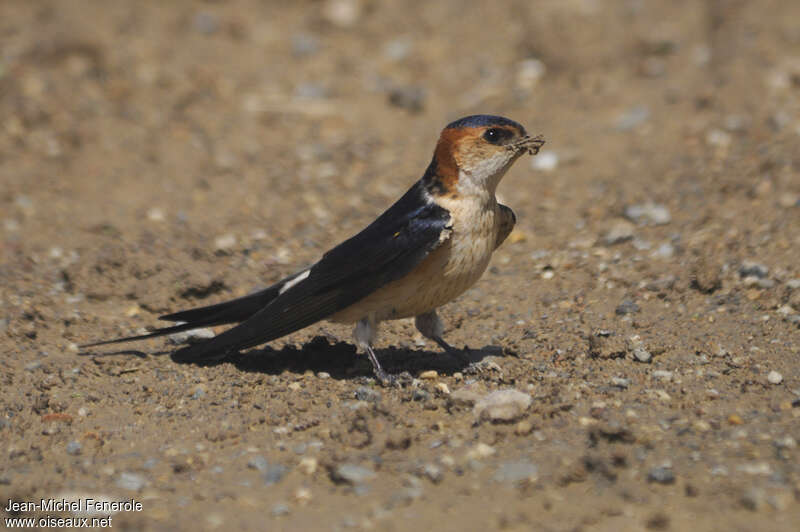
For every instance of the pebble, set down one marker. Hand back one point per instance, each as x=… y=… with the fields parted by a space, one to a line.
x=342 y=13
x=661 y=475
x=774 y=377
x=545 y=161
x=642 y=355
x=529 y=72
x=466 y=396
x=620 y=232
x=410 y=97
x=205 y=23
x=628 y=306
x=502 y=405
x=648 y=214
x=663 y=375
x=793 y=284
x=430 y=374
x=259 y=463
x=523 y=428
x=279 y=509
x=516 y=471
x=719 y=138
x=274 y=474
x=351 y=474
x=480 y=451
x=131 y=481
x=188 y=337
x=308 y=465
x=632 y=118
x=365 y=393
x=224 y=242
x=304 y=44
x=620 y=382
x=750 y=268
x=74 y=447
x=664 y=251
x=433 y=473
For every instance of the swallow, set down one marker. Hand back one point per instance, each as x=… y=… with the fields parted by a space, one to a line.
x=428 y=248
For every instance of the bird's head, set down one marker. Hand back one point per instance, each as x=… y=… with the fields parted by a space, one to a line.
x=474 y=152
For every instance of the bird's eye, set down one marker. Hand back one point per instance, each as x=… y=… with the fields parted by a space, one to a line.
x=495 y=135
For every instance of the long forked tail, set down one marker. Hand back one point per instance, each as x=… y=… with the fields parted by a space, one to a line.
x=233 y=311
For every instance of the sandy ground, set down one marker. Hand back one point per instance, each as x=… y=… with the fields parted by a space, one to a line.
x=161 y=155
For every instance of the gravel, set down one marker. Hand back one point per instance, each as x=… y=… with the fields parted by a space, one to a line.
x=351 y=474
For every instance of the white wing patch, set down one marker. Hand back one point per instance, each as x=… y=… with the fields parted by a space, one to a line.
x=302 y=276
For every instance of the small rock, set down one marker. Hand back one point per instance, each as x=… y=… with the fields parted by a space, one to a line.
x=466 y=396
x=364 y=393
x=632 y=118
x=308 y=465
x=664 y=251
x=480 y=451
x=279 y=510
x=74 y=447
x=430 y=374
x=515 y=472
x=627 y=306
x=661 y=475
x=410 y=98
x=259 y=463
x=502 y=405
x=648 y=214
x=274 y=473
x=529 y=72
x=205 y=23
x=663 y=375
x=224 y=242
x=155 y=215
x=304 y=44
x=754 y=499
x=433 y=473
x=774 y=377
x=351 y=474
x=302 y=496
x=523 y=428
x=131 y=481
x=342 y=13
x=620 y=382
x=719 y=138
x=750 y=268
x=620 y=232
x=605 y=344
x=706 y=275
x=546 y=161
x=642 y=355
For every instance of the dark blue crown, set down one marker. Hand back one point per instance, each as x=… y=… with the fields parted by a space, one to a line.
x=484 y=121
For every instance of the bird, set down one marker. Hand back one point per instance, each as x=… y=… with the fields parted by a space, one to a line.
x=425 y=250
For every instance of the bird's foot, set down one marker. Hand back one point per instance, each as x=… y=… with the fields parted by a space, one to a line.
x=462 y=355
x=387 y=379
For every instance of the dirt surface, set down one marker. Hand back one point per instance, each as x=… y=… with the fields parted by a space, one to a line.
x=160 y=155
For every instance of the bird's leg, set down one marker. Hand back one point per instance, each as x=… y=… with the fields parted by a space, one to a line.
x=364 y=334
x=431 y=327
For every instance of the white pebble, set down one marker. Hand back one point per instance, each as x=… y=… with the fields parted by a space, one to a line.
x=546 y=161
x=774 y=377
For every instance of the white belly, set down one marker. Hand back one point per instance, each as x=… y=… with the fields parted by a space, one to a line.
x=445 y=274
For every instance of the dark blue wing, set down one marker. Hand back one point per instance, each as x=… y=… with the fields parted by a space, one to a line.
x=386 y=250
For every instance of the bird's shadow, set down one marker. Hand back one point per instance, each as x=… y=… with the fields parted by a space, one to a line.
x=339 y=359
